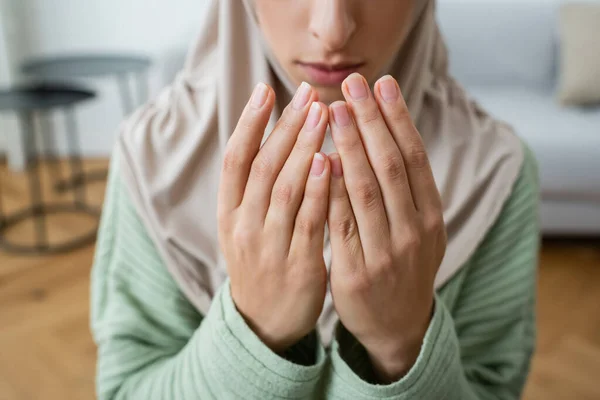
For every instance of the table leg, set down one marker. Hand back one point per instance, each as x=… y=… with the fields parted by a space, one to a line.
x=28 y=135
x=77 y=174
x=49 y=144
x=125 y=92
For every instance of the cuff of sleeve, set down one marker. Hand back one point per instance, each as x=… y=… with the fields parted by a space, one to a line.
x=433 y=371
x=305 y=352
x=246 y=362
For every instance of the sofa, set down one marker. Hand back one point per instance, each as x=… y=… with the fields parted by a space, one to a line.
x=507 y=55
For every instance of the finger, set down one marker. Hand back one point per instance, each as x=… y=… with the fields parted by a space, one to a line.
x=309 y=226
x=363 y=187
x=288 y=189
x=343 y=228
x=243 y=146
x=273 y=154
x=420 y=176
x=382 y=151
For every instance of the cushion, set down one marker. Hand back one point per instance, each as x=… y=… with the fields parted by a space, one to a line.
x=580 y=54
x=564 y=140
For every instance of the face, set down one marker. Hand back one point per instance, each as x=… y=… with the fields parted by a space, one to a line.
x=323 y=41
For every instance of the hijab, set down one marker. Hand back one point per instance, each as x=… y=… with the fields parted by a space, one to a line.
x=170 y=150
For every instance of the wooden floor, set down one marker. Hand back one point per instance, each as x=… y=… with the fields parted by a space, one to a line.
x=46 y=351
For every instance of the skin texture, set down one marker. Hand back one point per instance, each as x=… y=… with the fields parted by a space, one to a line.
x=333 y=31
x=378 y=195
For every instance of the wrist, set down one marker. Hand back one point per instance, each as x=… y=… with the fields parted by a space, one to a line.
x=391 y=365
x=268 y=334
x=393 y=359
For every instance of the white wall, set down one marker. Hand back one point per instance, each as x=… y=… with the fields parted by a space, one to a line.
x=4 y=75
x=161 y=29
x=9 y=133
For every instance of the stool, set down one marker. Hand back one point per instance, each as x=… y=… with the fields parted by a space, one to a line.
x=25 y=101
x=66 y=68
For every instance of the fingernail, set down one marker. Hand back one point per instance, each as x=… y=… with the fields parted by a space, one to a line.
x=314 y=116
x=357 y=87
x=389 y=89
x=302 y=96
x=341 y=115
x=336 y=165
x=259 y=96
x=318 y=165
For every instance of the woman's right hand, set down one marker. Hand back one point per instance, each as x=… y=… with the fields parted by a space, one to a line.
x=272 y=210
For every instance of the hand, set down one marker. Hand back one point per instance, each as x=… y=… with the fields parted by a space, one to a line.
x=272 y=209
x=386 y=225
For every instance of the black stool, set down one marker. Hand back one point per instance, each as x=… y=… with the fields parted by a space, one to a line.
x=67 y=68
x=25 y=102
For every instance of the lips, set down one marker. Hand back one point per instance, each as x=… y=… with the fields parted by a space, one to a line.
x=333 y=67
x=329 y=74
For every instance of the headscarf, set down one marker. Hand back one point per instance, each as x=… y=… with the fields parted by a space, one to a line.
x=171 y=149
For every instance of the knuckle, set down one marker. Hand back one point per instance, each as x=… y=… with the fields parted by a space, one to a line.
x=412 y=239
x=287 y=124
x=246 y=123
x=402 y=115
x=249 y=120
x=244 y=236
x=345 y=228
x=393 y=166
x=288 y=112
x=303 y=145
x=369 y=115
x=416 y=157
x=348 y=141
x=282 y=194
x=306 y=226
x=262 y=168
x=233 y=160
x=435 y=227
x=339 y=192
x=383 y=261
x=435 y=224
x=367 y=193
x=358 y=284
x=314 y=192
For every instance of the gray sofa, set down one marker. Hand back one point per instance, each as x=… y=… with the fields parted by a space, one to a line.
x=506 y=53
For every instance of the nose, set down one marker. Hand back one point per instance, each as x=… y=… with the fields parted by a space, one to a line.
x=332 y=23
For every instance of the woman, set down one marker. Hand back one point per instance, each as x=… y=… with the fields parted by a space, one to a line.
x=380 y=244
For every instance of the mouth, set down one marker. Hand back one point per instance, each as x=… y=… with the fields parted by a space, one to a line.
x=324 y=74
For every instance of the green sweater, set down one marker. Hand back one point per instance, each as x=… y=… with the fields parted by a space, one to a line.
x=153 y=344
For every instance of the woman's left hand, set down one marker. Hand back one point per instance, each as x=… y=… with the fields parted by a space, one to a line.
x=386 y=225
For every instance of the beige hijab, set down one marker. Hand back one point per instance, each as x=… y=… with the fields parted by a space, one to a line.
x=171 y=149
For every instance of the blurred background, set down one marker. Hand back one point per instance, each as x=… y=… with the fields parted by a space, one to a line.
x=70 y=70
